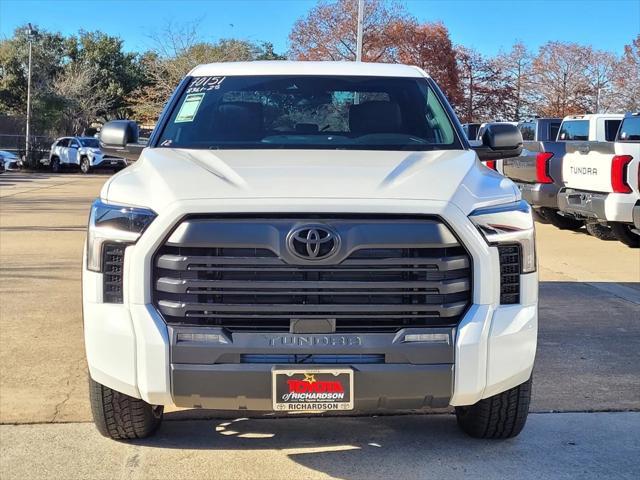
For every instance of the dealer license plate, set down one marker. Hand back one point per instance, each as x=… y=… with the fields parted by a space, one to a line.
x=301 y=390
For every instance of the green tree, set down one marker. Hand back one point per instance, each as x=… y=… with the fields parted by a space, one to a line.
x=177 y=50
x=112 y=71
x=76 y=80
x=266 y=52
x=48 y=59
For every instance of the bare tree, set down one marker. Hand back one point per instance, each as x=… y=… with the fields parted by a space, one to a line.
x=329 y=31
x=515 y=66
x=626 y=79
x=428 y=46
x=560 y=80
x=599 y=78
x=80 y=101
x=482 y=86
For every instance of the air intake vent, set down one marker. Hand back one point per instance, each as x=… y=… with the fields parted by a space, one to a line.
x=510 y=267
x=113 y=262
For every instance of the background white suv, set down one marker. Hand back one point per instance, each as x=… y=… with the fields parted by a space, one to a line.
x=83 y=153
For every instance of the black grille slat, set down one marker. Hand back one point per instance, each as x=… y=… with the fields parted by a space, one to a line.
x=183 y=309
x=171 y=285
x=184 y=263
x=373 y=288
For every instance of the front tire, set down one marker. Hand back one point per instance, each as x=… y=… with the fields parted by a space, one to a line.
x=55 y=165
x=500 y=416
x=560 y=221
x=85 y=166
x=623 y=232
x=121 y=417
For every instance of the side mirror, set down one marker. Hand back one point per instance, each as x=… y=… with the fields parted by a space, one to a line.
x=121 y=138
x=499 y=140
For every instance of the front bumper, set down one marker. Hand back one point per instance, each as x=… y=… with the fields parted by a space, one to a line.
x=604 y=207
x=235 y=374
x=131 y=349
x=13 y=165
x=108 y=162
x=540 y=194
x=492 y=350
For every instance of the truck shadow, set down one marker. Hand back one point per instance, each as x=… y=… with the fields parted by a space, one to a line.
x=400 y=446
x=341 y=447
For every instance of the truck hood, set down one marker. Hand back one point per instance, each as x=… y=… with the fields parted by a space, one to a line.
x=163 y=176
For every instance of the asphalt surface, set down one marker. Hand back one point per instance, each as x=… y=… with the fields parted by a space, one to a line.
x=588 y=361
x=553 y=446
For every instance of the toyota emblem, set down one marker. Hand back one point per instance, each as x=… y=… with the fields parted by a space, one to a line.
x=313 y=242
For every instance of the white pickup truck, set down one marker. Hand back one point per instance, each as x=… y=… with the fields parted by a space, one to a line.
x=601 y=182
x=308 y=237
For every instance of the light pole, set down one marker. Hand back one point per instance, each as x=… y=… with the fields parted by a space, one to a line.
x=31 y=35
x=359 y=31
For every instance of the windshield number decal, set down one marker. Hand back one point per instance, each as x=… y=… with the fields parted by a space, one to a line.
x=205 y=84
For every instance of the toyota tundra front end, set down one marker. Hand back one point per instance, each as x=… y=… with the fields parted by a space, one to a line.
x=310 y=237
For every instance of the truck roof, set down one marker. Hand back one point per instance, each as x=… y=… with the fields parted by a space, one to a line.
x=281 y=67
x=593 y=116
x=540 y=119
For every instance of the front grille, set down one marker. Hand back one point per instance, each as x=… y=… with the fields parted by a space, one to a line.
x=381 y=288
x=510 y=259
x=112 y=262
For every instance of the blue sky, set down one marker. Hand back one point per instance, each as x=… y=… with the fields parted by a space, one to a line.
x=489 y=25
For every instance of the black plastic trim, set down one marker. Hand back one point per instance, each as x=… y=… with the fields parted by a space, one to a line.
x=248 y=386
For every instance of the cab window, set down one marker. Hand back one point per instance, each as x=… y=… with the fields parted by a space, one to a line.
x=611 y=129
x=574 y=130
x=528 y=130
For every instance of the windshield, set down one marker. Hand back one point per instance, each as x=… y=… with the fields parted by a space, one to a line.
x=89 y=142
x=309 y=112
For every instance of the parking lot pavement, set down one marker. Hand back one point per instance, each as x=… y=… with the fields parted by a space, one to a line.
x=565 y=255
x=588 y=360
x=552 y=446
x=42 y=227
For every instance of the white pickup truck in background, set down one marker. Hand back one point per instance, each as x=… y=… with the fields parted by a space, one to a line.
x=602 y=184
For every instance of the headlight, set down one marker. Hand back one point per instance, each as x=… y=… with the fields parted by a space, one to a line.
x=511 y=223
x=113 y=223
